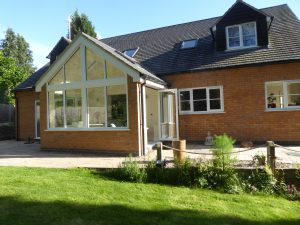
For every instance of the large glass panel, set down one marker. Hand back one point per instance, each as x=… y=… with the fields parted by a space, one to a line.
x=214 y=99
x=58 y=78
x=275 y=95
x=72 y=68
x=94 y=66
x=293 y=94
x=96 y=106
x=113 y=71
x=249 y=34
x=185 y=104
x=234 y=37
x=116 y=106
x=199 y=97
x=74 y=108
x=56 y=110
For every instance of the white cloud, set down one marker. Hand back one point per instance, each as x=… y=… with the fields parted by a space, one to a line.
x=98 y=35
x=39 y=52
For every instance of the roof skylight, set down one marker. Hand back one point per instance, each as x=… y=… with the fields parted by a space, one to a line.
x=131 y=52
x=192 y=43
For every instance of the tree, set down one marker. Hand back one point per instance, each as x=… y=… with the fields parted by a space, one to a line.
x=10 y=76
x=81 y=23
x=15 y=46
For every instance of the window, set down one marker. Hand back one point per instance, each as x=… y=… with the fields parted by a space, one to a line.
x=241 y=36
x=189 y=44
x=201 y=100
x=116 y=106
x=73 y=108
x=283 y=95
x=96 y=107
x=74 y=102
x=72 y=68
x=131 y=52
x=94 y=66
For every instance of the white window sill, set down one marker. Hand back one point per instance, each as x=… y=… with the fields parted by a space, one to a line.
x=282 y=110
x=200 y=113
x=240 y=48
x=87 y=129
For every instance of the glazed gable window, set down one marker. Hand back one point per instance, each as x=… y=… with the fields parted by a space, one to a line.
x=241 y=36
x=201 y=100
x=283 y=95
x=87 y=93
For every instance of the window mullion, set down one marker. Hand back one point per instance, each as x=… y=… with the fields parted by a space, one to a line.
x=192 y=100
x=285 y=95
x=84 y=110
x=241 y=35
x=207 y=100
x=64 y=109
x=105 y=93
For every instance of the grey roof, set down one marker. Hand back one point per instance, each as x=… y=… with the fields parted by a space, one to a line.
x=127 y=60
x=160 y=53
x=30 y=81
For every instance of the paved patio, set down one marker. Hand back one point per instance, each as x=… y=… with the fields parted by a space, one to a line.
x=16 y=153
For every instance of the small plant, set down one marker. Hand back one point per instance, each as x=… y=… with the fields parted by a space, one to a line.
x=263 y=180
x=271 y=101
x=259 y=160
x=222 y=149
x=131 y=171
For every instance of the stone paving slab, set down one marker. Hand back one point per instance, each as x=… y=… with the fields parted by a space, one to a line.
x=16 y=153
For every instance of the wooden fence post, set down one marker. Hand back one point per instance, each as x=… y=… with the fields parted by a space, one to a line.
x=180 y=145
x=271 y=158
x=159 y=151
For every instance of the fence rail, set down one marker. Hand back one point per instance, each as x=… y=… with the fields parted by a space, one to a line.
x=271 y=148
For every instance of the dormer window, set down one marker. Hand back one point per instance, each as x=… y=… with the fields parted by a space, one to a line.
x=131 y=52
x=189 y=44
x=241 y=36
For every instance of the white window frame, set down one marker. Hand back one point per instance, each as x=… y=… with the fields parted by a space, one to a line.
x=135 y=51
x=240 y=36
x=183 y=43
x=209 y=111
x=83 y=84
x=285 y=84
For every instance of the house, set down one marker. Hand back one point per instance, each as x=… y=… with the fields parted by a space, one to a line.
x=237 y=74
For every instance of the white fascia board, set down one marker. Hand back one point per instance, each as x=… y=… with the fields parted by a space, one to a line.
x=154 y=85
x=83 y=41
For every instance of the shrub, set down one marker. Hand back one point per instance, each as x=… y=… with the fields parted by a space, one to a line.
x=222 y=149
x=130 y=171
x=263 y=180
x=259 y=160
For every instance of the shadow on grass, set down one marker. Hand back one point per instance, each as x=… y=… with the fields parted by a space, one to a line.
x=14 y=211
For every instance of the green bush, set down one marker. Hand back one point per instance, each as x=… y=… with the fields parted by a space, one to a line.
x=130 y=171
x=262 y=180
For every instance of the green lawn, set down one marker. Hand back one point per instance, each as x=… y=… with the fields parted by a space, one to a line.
x=79 y=197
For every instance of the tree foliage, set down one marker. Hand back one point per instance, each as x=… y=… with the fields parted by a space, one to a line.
x=15 y=46
x=10 y=76
x=81 y=23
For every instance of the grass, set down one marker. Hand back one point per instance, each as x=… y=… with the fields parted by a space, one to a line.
x=31 y=196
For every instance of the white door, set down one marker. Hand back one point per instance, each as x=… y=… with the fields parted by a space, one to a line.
x=168 y=115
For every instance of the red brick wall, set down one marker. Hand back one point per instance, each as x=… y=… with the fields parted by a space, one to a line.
x=25 y=114
x=244 y=104
x=113 y=141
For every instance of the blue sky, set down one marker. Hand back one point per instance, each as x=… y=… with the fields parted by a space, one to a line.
x=42 y=23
